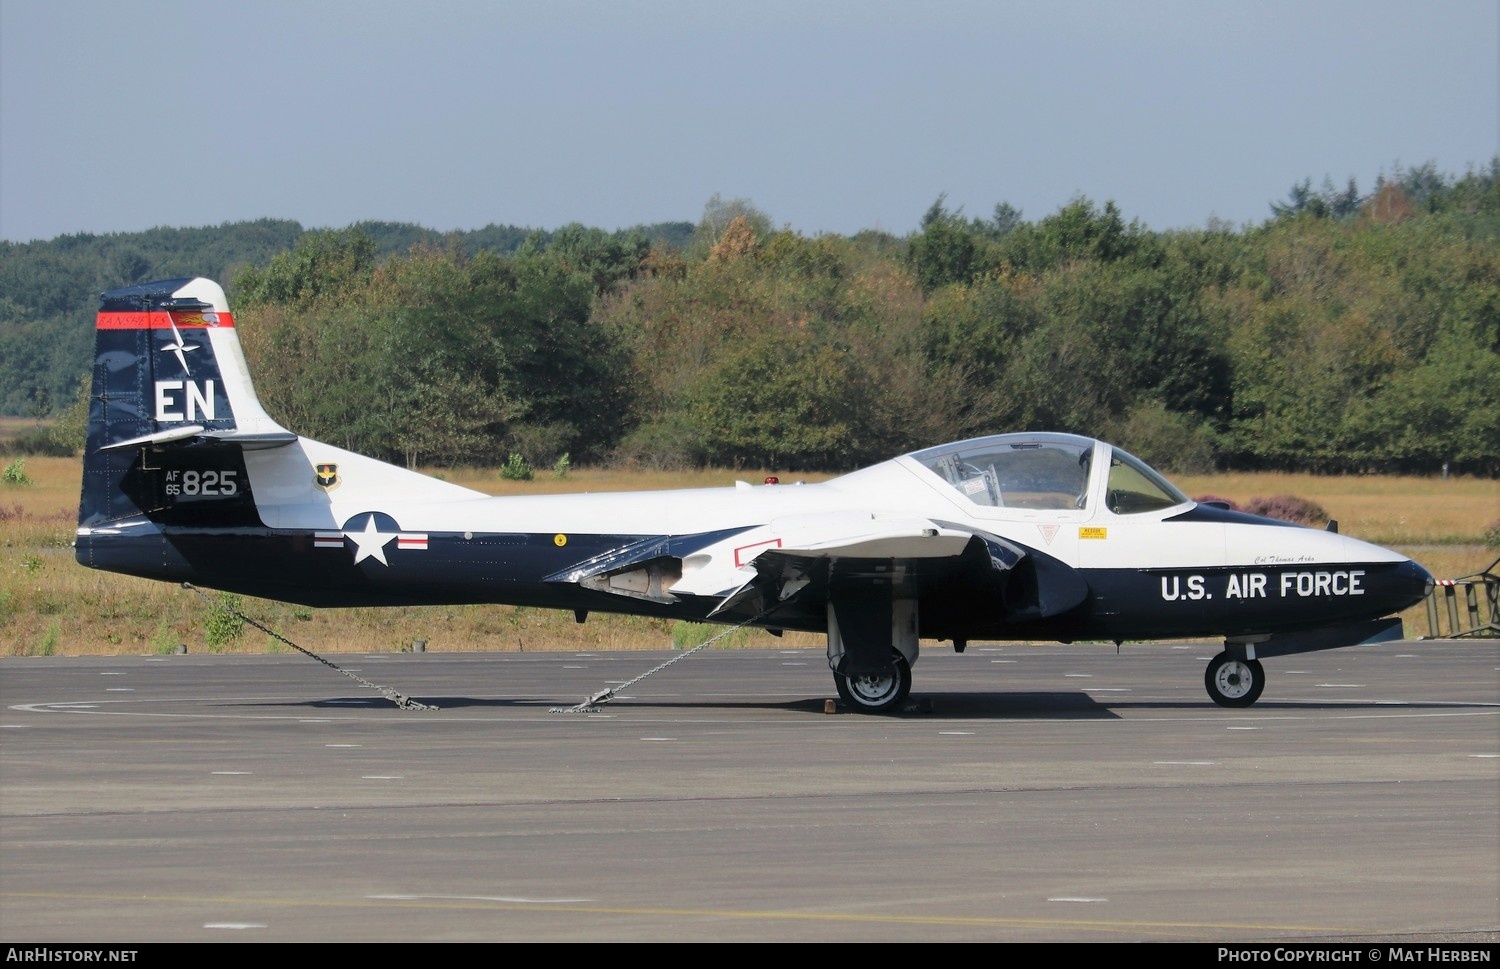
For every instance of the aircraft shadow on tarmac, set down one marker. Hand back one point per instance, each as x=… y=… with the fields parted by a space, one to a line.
x=1007 y=705
x=975 y=705
x=937 y=704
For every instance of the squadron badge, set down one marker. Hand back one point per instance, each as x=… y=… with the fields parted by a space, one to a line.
x=327 y=477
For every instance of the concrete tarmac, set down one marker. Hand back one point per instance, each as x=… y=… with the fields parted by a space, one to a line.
x=1028 y=793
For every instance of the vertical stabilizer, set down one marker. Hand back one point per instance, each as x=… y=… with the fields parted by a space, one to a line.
x=168 y=370
x=185 y=476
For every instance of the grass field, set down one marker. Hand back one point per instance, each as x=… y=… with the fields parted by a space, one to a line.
x=50 y=605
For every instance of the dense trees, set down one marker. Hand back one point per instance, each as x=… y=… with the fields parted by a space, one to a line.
x=49 y=292
x=1370 y=342
x=434 y=357
x=1347 y=332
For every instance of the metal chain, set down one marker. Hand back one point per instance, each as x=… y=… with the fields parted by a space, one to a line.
x=402 y=701
x=604 y=696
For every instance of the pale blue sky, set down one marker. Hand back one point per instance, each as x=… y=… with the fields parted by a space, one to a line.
x=831 y=116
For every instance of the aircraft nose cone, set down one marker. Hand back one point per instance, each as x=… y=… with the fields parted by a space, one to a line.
x=1414 y=581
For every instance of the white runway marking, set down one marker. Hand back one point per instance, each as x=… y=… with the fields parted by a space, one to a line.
x=513 y=900
x=235 y=925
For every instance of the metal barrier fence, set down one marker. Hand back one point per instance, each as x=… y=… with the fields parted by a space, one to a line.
x=1479 y=613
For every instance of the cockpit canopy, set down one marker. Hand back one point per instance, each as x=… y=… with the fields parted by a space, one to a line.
x=1049 y=471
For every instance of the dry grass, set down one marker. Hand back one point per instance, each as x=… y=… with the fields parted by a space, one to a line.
x=51 y=605
x=1384 y=510
x=11 y=426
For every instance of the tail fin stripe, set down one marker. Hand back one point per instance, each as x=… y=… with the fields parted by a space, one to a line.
x=158 y=320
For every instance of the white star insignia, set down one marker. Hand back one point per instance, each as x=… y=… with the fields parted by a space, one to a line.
x=370 y=543
x=178 y=346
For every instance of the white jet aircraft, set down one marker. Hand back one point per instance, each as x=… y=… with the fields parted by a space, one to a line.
x=1012 y=537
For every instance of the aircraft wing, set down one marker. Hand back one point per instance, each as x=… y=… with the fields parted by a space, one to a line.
x=789 y=570
x=722 y=569
x=799 y=566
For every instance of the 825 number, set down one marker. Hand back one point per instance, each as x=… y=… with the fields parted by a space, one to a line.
x=208 y=484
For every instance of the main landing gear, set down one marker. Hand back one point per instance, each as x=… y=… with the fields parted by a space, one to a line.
x=876 y=692
x=872 y=642
x=1234 y=681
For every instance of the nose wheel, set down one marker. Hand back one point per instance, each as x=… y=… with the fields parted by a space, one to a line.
x=1234 y=682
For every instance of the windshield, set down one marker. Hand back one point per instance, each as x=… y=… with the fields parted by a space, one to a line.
x=1016 y=473
x=1134 y=487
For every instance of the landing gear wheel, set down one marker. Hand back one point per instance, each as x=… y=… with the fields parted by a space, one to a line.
x=876 y=692
x=1234 y=682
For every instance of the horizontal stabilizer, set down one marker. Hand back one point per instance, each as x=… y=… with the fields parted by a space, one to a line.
x=251 y=440
x=176 y=435
x=197 y=434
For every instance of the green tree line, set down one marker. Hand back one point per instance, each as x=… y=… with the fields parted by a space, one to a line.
x=1347 y=332
x=49 y=289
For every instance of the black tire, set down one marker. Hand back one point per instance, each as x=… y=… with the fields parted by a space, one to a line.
x=876 y=692
x=1234 y=682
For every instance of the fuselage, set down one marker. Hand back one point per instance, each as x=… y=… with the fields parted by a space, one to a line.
x=1156 y=565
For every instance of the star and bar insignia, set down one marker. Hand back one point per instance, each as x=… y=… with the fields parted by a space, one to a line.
x=370 y=540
